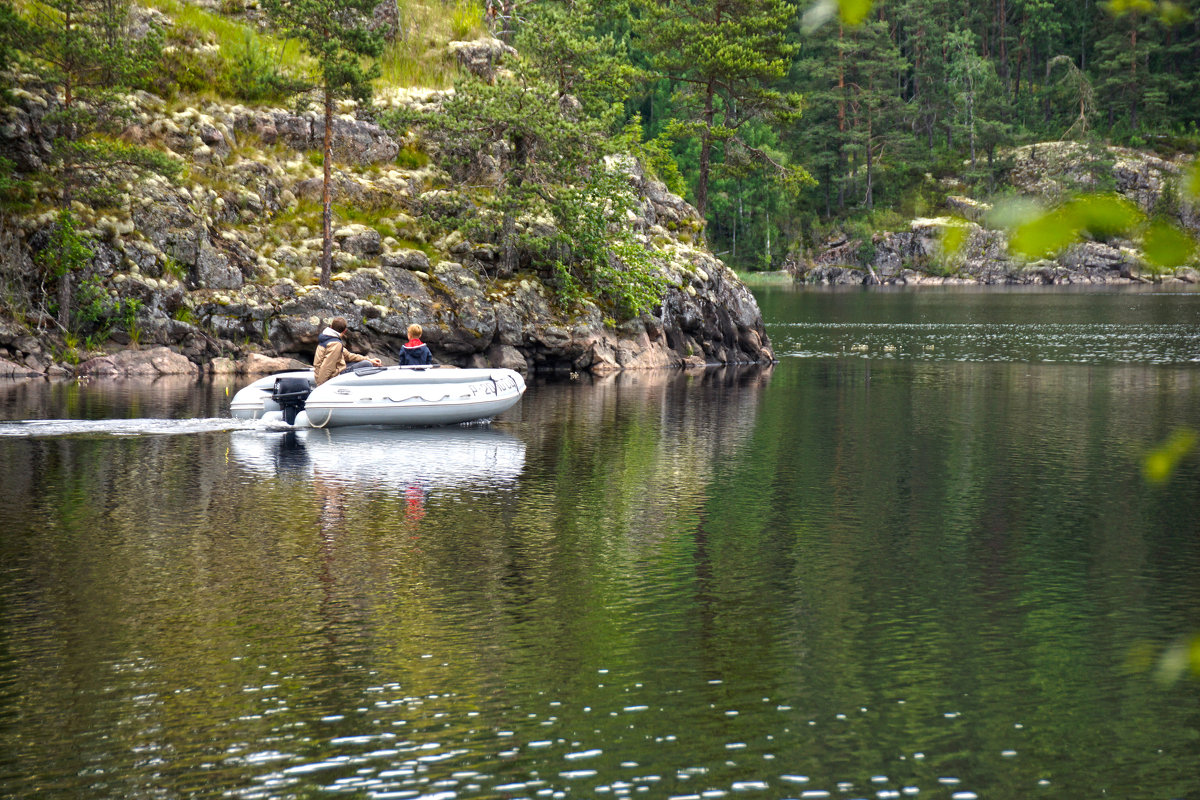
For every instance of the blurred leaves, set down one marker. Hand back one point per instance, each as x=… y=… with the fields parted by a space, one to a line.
x=853 y=12
x=1181 y=658
x=1159 y=464
x=1193 y=180
x=1105 y=215
x=1131 y=6
x=954 y=237
x=1036 y=233
x=848 y=12
x=1169 y=12
x=1045 y=234
x=1166 y=246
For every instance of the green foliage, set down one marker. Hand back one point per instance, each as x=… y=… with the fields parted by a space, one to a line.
x=412 y=59
x=16 y=192
x=247 y=64
x=185 y=314
x=91 y=310
x=596 y=253
x=252 y=73
x=553 y=167
x=723 y=58
x=1193 y=180
x=93 y=307
x=99 y=164
x=67 y=251
x=847 y=12
x=410 y=157
x=97 y=311
x=954 y=239
x=655 y=155
x=85 y=47
x=70 y=352
x=172 y=268
x=466 y=18
x=1037 y=233
x=336 y=36
x=572 y=52
x=1043 y=235
x=13 y=31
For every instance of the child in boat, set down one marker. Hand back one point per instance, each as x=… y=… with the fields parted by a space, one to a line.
x=415 y=353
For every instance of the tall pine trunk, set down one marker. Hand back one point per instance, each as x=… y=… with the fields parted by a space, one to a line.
x=869 y=199
x=65 y=297
x=705 y=149
x=327 y=193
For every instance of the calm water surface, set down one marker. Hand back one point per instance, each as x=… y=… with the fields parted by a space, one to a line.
x=914 y=559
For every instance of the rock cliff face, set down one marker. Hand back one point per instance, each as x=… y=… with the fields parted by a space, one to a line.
x=1047 y=172
x=222 y=262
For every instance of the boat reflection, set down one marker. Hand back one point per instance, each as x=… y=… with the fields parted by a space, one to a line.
x=434 y=458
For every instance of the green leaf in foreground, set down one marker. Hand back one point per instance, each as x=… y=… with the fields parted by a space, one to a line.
x=1166 y=246
x=954 y=237
x=1160 y=463
x=1193 y=180
x=1102 y=216
x=848 y=12
x=853 y=12
x=1045 y=235
x=1181 y=658
x=1105 y=215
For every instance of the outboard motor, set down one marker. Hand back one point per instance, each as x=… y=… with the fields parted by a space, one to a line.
x=290 y=394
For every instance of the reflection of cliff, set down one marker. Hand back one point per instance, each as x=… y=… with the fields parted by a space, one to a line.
x=644 y=445
x=168 y=397
x=619 y=471
x=647 y=433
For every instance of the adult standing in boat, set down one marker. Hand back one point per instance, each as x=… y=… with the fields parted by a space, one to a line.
x=415 y=353
x=332 y=356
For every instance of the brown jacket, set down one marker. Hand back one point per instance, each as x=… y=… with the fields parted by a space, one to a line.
x=332 y=356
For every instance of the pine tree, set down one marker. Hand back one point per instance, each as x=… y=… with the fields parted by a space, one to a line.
x=1120 y=64
x=583 y=63
x=336 y=35
x=13 y=31
x=723 y=57
x=875 y=63
x=531 y=158
x=922 y=27
x=82 y=49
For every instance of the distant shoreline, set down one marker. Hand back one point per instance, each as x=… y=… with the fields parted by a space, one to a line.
x=1034 y=277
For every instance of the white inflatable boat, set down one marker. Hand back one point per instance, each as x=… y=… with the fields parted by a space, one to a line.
x=410 y=396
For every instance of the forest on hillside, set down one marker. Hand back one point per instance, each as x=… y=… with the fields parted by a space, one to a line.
x=781 y=122
x=909 y=90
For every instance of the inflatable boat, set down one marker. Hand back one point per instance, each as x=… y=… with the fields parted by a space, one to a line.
x=369 y=395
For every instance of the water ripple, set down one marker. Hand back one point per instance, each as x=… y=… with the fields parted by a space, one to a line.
x=1067 y=343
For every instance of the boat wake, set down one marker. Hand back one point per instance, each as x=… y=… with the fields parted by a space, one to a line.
x=43 y=428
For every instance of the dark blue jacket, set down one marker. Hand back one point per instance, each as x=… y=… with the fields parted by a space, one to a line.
x=415 y=354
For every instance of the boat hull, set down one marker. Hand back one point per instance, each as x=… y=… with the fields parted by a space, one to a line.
x=403 y=396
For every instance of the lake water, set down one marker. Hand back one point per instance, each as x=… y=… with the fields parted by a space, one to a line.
x=915 y=558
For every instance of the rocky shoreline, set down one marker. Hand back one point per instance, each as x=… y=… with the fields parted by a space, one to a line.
x=1047 y=173
x=220 y=266
x=983 y=261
